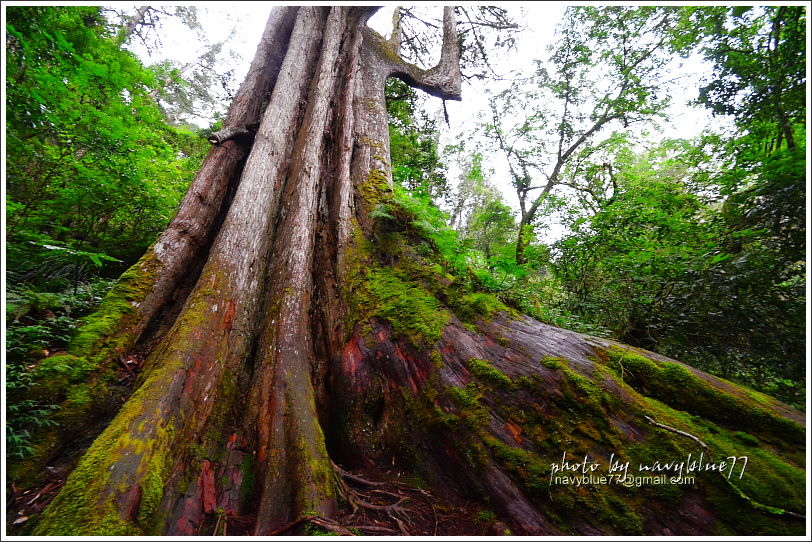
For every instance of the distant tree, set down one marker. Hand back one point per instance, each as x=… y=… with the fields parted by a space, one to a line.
x=605 y=71
x=193 y=87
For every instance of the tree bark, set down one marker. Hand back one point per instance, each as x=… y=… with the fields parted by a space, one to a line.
x=288 y=356
x=146 y=300
x=155 y=285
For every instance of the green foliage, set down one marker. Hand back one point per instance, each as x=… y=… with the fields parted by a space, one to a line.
x=38 y=323
x=94 y=173
x=486 y=517
x=20 y=417
x=695 y=249
x=760 y=75
x=620 y=265
x=604 y=71
x=666 y=266
x=92 y=165
x=418 y=214
x=416 y=162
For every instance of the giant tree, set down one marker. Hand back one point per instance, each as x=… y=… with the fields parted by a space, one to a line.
x=295 y=336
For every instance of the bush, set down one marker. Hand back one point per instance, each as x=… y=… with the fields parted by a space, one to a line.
x=38 y=322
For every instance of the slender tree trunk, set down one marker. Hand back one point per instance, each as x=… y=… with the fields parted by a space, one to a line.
x=525 y=230
x=299 y=347
x=134 y=22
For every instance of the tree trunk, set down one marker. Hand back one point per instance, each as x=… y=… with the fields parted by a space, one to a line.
x=525 y=231
x=307 y=341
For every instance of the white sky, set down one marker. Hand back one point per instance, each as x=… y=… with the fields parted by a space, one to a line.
x=218 y=18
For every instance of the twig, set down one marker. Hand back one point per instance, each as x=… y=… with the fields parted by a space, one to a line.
x=373 y=529
x=677 y=431
x=331 y=525
x=290 y=525
x=404 y=531
x=387 y=493
x=755 y=504
x=124 y=363
x=321 y=521
x=388 y=508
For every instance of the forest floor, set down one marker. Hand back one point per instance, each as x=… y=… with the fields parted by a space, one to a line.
x=393 y=502
x=385 y=503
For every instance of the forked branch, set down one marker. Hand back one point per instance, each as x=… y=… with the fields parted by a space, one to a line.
x=443 y=80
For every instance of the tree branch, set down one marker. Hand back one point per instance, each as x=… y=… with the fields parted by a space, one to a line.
x=478 y=42
x=397 y=30
x=231 y=132
x=443 y=80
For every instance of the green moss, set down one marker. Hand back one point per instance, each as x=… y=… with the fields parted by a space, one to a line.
x=475 y=305
x=423 y=410
x=64 y=367
x=86 y=505
x=553 y=363
x=678 y=387
x=314 y=530
x=389 y=294
x=746 y=438
x=770 y=480
x=155 y=473
x=468 y=401
x=483 y=370
x=436 y=359
x=376 y=190
x=524 y=382
x=533 y=472
x=748 y=503
x=585 y=392
x=104 y=332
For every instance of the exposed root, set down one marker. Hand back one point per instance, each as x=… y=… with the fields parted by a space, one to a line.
x=357 y=479
x=355 y=499
x=394 y=507
x=390 y=509
x=321 y=521
x=403 y=530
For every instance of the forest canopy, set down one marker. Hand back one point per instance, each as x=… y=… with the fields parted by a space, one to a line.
x=694 y=248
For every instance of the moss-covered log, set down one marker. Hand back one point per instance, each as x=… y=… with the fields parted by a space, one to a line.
x=316 y=334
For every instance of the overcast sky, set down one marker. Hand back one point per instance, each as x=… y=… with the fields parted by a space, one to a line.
x=540 y=18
